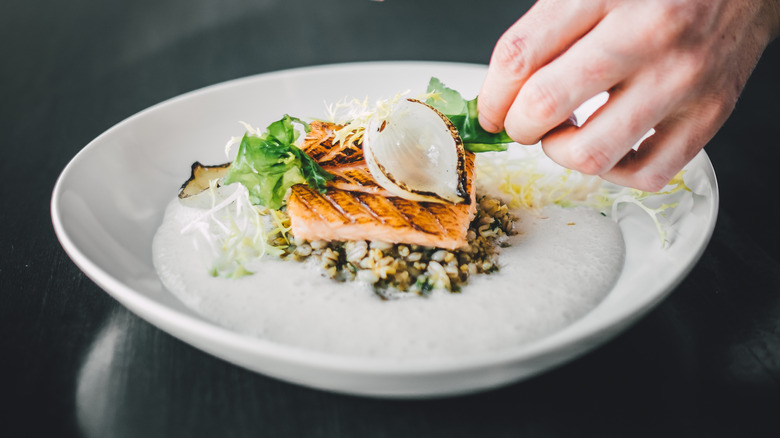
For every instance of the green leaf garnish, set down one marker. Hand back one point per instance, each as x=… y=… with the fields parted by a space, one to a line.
x=463 y=114
x=267 y=165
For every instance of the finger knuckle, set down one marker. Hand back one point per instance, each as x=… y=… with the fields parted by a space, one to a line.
x=597 y=70
x=590 y=158
x=539 y=101
x=635 y=122
x=669 y=23
x=690 y=72
x=693 y=20
x=513 y=54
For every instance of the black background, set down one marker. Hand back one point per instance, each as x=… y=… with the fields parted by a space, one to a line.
x=73 y=362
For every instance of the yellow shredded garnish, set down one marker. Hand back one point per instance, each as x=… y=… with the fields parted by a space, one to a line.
x=282 y=222
x=528 y=180
x=354 y=115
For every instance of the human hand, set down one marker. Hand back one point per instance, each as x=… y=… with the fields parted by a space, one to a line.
x=676 y=66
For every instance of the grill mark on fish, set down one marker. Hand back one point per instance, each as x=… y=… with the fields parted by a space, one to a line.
x=352 y=153
x=369 y=210
x=441 y=213
x=355 y=178
x=351 y=207
x=319 y=141
x=361 y=175
x=420 y=218
x=382 y=206
x=341 y=215
x=341 y=180
x=321 y=206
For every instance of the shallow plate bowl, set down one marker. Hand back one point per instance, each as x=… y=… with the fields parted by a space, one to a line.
x=110 y=199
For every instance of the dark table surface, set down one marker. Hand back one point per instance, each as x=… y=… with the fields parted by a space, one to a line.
x=705 y=362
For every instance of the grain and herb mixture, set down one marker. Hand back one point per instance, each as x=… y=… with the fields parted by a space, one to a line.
x=397 y=269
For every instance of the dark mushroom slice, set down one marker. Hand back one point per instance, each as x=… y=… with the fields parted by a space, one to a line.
x=200 y=178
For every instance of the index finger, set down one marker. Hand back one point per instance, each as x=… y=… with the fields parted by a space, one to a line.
x=537 y=38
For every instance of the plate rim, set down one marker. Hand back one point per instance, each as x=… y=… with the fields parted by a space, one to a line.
x=201 y=327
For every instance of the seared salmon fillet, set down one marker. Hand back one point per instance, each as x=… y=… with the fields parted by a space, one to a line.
x=341 y=215
x=345 y=163
x=319 y=145
x=355 y=207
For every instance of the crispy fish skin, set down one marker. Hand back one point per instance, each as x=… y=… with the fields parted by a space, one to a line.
x=355 y=207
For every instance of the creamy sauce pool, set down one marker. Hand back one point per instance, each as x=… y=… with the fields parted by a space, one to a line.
x=561 y=265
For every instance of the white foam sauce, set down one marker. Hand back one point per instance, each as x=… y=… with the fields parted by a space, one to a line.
x=559 y=267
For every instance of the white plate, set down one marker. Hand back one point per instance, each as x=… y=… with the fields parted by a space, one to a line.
x=110 y=199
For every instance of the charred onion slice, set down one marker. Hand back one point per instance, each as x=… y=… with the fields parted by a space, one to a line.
x=416 y=153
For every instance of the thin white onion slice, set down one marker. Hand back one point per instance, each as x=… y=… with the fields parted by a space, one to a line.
x=416 y=153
